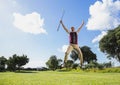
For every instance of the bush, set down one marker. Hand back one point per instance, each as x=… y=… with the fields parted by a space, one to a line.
x=111 y=70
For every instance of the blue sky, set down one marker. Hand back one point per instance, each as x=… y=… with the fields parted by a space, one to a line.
x=29 y=26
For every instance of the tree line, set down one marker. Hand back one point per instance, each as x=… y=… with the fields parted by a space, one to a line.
x=90 y=60
x=13 y=63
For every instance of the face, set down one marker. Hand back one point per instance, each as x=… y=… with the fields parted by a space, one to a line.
x=72 y=29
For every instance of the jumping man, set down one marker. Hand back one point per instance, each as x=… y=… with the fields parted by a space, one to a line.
x=73 y=40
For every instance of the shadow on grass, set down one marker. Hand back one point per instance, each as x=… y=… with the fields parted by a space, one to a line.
x=26 y=72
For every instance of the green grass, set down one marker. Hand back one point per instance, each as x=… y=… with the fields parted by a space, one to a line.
x=59 y=78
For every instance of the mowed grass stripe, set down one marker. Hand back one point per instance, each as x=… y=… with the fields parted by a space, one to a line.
x=59 y=78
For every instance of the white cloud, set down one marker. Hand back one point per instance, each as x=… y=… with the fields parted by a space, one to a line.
x=104 y=15
x=63 y=49
x=30 y=23
x=99 y=37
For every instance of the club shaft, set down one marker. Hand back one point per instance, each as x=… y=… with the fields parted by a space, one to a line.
x=61 y=19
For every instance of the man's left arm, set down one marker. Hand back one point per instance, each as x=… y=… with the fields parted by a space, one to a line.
x=80 y=26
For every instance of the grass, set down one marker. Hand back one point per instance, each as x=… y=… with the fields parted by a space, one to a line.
x=59 y=78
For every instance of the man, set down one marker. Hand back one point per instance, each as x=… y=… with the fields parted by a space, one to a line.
x=73 y=40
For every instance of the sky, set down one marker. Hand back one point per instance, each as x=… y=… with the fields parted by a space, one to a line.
x=30 y=27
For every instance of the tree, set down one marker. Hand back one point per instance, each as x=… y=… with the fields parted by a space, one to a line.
x=59 y=63
x=15 y=62
x=21 y=60
x=2 y=63
x=94 y=65
x=110 y=44
x=74 y=55
x=107 y=65
x=69 y=64
x=53 y=63
x=11 y=64
x=88 y=55
x=75 y=65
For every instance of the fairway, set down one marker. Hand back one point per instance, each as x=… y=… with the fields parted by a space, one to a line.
x=59 y=78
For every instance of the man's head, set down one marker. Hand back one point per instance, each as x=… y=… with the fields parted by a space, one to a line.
x=72 y=29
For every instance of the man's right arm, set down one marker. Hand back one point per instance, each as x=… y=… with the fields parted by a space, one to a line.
x=64 y=27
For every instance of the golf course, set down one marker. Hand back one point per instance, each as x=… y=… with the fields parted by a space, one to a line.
x=59 y=78
x=59 y=42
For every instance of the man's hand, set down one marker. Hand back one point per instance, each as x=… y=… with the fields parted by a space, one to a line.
x=83 y=22
x=61 y=21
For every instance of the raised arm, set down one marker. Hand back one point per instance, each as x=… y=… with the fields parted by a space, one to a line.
x=64 y=27
x=80 y=26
